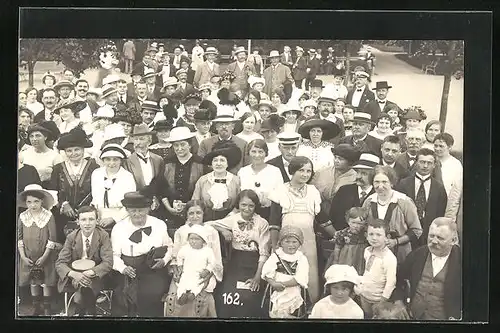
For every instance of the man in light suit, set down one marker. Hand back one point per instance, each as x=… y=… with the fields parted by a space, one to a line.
x=288 y=145
x=277 y=75
x=184 y=88
x=241 y=68
x=224 y=125
x=428 y=194
x=360 y=94
x=207 y=69
x=87 y=242
x=380 y=104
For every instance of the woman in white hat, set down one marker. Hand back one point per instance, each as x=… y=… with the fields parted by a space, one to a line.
x=339 y=285
x=109 y=184
x=69 y=110
x=258 y=84
x=292 y=113
x=103 y=117
x=37 y=243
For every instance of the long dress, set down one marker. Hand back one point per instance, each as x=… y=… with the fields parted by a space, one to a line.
x=73 y=188
x=36 y=235
x=250 y=245
x=142 y=295
x=299 y=209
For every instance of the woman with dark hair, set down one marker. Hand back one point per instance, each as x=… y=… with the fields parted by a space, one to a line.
x=259 y=176
x=396 y=209
x=31 y=100
x=186 y=64
x=25 y=118
x=253 y=99
x=433 y=128
x=297 y=203
x=240 y=293
x=278 y=99
x=270 y=129
x=21 y=99
x=203 y=306
x=248 y=121
x=382 y=127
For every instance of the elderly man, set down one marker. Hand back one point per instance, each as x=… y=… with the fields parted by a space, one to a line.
x=326 y=103
x=241 y=68
x=428 y=193
x=380 y=104
x=361 y=125
x=288 y=146
x=224 y=124
x=49 y=101
x=434 y=272
x=277 y=75
x=87 y=242
x=206 y=70
x=360 y=94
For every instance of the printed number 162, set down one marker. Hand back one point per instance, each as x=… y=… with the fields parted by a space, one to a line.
x=230 y=298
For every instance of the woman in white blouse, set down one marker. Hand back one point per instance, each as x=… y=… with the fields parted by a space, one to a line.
x=31 y=103
x=109 y=184
x=141 y=251
x=316 y=147
x=68 y=110
x=260 y=177
x=248 y=120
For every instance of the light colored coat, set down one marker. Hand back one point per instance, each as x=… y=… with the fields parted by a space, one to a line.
x=204 y=74
x=129 y=50
x=276 y=78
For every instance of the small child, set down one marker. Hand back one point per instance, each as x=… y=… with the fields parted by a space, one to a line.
x=390 y=311
x=36 y=245
x=287 y=272
x=340 y=282
x=350 y=243
x=379 y=278
x=195 y=261
x=396 y=122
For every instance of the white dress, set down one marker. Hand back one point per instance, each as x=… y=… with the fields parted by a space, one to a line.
x=320 y=155
x=193 y=262
x=263 y=182
x=326 y=309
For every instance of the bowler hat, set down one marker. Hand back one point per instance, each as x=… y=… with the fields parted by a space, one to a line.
x=136 y=200
x=381 y=85
x=347 y=151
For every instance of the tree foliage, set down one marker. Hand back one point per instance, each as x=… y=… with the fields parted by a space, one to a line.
x=79 y=54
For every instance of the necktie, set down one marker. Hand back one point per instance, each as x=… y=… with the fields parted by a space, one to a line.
x=123 y=99
x=420 y=200
x=220 y=181
x=136 y=236
x=87 y=248
x=362 y=196
x=359 y=90
x=142 y=158
x=106 y=189
x=411 y=159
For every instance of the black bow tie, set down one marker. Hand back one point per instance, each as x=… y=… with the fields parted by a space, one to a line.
x=220 y=181
x=412 y=158
x=381 y=102
x=136 y=236
x=422 y=179
x=144 y=159
x=359 y=89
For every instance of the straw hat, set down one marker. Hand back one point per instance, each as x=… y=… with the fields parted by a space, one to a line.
x=113 y=131
x=367 y=161
x=180 y=133
x=310 y=102
x=63 y=83
x=211 y=50
x=239 y=49
x=288 y=138
x=49 y=197
x=111 y=78
x=291 y=107
x=95 y=91
x=150 y=105
x=327 y=97
x=148 y=72
x=105 y=111
x=274 y=54
x=108 y=90
x=170 y=81
x=205 y=86
x=82 y=265
x=363 y=117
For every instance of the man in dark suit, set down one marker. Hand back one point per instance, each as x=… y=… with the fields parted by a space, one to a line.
x=152 y=90
x=353 y=195
x=184 y=88
x=286 y=57
x=87 y=242
x=141 y=96
x=299 y=68
x=434 y=272
x=360 y=94
x=165 y=70
x=123 y=96
x=224 y=125
x=361 y=125
x=49 y=101
x=390 y=149
x=380 y=104
x=136 y=77
x=288 y=145
x=312 y=67
x=241 y=68
x=428 y=194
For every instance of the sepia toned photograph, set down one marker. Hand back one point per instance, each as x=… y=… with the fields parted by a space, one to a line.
x=240 y=179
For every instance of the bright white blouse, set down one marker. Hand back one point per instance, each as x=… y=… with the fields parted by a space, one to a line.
x=320 y=155
x=263 y=182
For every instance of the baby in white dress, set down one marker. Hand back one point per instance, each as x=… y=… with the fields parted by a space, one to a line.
x=195 y=261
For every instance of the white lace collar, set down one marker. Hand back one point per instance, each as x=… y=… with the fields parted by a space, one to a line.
x=395 y=196
x=40 y=221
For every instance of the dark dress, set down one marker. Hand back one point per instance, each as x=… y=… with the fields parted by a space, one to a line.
x=76 y=191
x=164 y=152
x=184 y=122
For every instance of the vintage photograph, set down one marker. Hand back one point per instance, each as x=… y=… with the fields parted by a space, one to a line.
x=239 y=179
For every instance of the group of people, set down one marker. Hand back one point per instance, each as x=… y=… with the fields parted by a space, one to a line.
x=221 y=198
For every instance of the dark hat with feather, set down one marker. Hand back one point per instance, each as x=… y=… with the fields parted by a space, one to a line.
x=170 y=113
x=227 y=97
x=74 y=138
x=206 y=112
x=274 y=122
x=130 y=116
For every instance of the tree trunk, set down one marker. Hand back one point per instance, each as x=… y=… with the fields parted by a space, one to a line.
x=31 y=69
x=347 y=68
x=447 y=82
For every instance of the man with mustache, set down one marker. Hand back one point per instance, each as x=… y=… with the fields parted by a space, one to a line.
x=49 y=101
x=361 y=125
x=82 y=88
x=435 y=275
x=288 y=146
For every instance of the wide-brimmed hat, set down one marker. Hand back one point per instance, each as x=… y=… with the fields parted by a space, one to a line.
x=224 y=116
x=269 y=104
x=108 y=90
x=227 y=149
x=205 y=86
x=367 y=161
x=49 y=197
x=381 y=85
x=363 y=117
x=288 y=138
x=113 y=150
x=63 y=83
x=330 y=129
x=105 y=111
x=181 y=133
x=149 y=72
x=70 y=103
x=291 y=231
x=48 y=128
x=113 y=131
x=95 y=91
x=347 y=151
x=76 y=137
x=412 y=114
x=211 y=50
x=327 y=97
x=206 y=112
x=163 y=125
x=140 y=130
x=111 y=78
x=130 y=116
x=150 y=105
x=274 y=54
x=240 y=49
x=170 y=81
x=311 y=51
x=255 y=79
x=338 y=273
x=291 y=107
x=317 y=84
x=136 y=200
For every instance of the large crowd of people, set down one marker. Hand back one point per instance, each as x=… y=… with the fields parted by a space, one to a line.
x=257 y=192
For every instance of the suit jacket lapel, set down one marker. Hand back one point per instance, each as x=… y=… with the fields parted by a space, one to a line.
x=432 y=194
x=412 y=189
x=94 y=244
x=78 y=246
x=136 y=170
